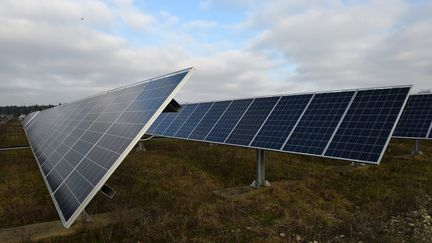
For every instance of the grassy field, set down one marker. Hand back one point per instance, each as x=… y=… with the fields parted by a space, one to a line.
x=310 y=198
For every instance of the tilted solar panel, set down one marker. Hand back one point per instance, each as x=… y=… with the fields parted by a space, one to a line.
x=228 y=120
x=416 y=119
x=183 y=115
x=318 y=123
x=80 y=144
x=185 y=130
x=281 y=121
x=29 y=118
x=209 y=120
x=353 y=125
x=163 y=125
x=251 y=121
x=368 y=125
x=157 y=122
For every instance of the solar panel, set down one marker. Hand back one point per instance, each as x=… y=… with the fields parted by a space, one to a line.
x=318 y=123
x=228 y=120
x=29 y=118
x=416 y=118
x=368 y=125
x=209 y=120
x=281 y=121
x=252 y=120
x=183 y=115
x=163 y=125
x=80 y=144
x=157 y=122
x=193 y=120
x=353 y=125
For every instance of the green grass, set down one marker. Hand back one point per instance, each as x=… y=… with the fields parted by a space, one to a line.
x=310 y=198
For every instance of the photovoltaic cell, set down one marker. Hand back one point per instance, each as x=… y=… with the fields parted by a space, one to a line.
x=416 y=118
x=318 y=123
x=163 y=125
x=193 y=120
x=209 y=120
x=183 y=115
x=368 y=124
x=281 y=121
x=252 y=120
x=157 y=122
x=80 y=144
x=228 y=120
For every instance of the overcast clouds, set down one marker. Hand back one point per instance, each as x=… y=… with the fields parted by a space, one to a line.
x=239 y=48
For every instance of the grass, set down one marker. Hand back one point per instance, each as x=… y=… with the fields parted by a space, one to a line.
x=310 y=198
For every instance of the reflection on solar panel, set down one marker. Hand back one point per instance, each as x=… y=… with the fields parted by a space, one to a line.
x=416 y=119
x=79 y=145
x=353 y=125
x=29 y=118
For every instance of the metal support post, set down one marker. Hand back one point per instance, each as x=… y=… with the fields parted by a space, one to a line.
x=260 y=180
x=85 y=217
x=417 y=150
x=355 y=164
x=141 y=146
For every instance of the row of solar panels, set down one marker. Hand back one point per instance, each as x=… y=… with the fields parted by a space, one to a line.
x=416 y=119
x=352 y=125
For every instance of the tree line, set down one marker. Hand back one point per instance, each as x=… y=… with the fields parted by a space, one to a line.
x=18 y=110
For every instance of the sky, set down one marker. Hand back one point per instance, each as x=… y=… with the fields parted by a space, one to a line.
x=61 y=51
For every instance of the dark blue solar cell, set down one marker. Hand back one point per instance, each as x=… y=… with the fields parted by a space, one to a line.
x=318 y=123
x=188 y=126
x=165 y=123
x=252 y=120
x=209 y=120
x=364 y=132
x=180 y=119
x=281 y=121
x=156 y=123
x=228 y=120
x=66 y=201
x=416 y=118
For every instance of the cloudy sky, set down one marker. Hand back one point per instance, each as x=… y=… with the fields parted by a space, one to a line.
x=60 y=51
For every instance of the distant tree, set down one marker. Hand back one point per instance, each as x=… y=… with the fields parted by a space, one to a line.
x=18 y=110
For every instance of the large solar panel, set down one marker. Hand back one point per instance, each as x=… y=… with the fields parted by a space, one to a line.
x=29 y=118
x=80 y=144
x=368 y=125
x=251 y=121
x=281 y=121
x=185 y=130
x=353 y=125
x=209 y=120
x=228 y=120
x=318 y=123
x=416 y=119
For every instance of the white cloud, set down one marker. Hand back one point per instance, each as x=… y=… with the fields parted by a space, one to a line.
x=50 y=55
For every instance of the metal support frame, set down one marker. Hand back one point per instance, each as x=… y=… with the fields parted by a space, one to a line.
x=260 y=180
x=356 y=164
x=108 y=191
x=141 y=146
x=417 y=150
x=86 y=218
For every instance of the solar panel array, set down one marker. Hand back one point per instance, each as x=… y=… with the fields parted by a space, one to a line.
x=353 y=125
x=29 y=118
x=79 y=145
x=416 y=119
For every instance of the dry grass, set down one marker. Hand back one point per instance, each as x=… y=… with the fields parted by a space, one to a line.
x=310 y=198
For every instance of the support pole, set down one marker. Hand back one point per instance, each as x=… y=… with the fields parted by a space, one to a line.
x=417 y=150
x=141 y=146
x=356 y=164
x=260 y=180
x=86 y=218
